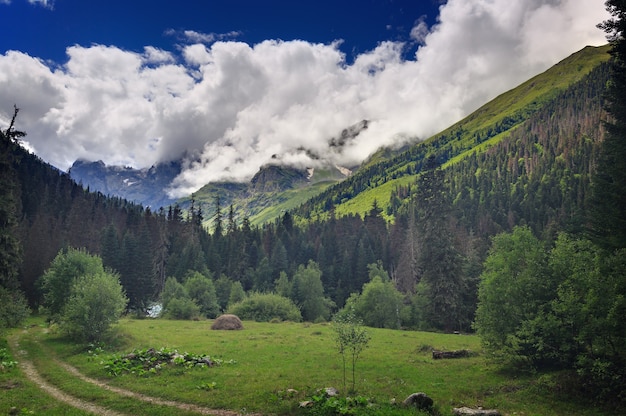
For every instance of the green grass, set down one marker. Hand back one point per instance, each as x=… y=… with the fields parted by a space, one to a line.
x=271 y=358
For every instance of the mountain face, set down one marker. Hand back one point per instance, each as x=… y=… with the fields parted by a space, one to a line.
x=277 y=188
x=143 y=186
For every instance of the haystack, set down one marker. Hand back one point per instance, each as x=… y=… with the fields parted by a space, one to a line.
x=228 y=322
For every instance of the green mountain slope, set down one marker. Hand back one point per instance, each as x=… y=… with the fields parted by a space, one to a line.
x=272 y=191
x=275 y=190
x=485 y=127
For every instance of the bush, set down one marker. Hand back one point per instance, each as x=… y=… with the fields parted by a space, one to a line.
x=13 y=308
x=67 y=266
x=182 y=308
x=263 y=307
x=95 y=302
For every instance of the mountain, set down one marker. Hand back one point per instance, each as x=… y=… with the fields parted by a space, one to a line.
x=272 y=191
x=142 y=186
x=378 y=179
x=525 y=158
x=147 y=186
x=276 y=189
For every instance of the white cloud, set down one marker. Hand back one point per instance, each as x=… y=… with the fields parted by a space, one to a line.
x=48 y=4
x=231 y=107
x=420 y=30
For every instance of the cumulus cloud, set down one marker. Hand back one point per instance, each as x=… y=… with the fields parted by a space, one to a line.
x=228 y=107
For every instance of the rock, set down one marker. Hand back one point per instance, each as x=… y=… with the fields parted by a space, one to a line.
x=331 y=391
x=475 y=412
x=420 y=400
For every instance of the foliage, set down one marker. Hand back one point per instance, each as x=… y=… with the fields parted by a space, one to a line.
x=564 y=310
x=264 y=307
x=351 y=339
x=308 y=293
x=237 y=294
x=609 y=181
x=68 y=266
x=177 y=304
x=380 y=303
x=513 y=289
x=323 y=404
x=10 y=249
x=96 y=301
x=150 y=361
x=202 y=291
x=13 y=308
x=6 y=361
x=182 y=308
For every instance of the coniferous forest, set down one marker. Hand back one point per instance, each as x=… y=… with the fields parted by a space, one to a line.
x=538 y=177
x=536 y=219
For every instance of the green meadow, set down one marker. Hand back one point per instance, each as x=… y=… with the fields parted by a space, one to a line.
x=269 y=368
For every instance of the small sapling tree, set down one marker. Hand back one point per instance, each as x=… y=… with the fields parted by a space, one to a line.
x=351 y=339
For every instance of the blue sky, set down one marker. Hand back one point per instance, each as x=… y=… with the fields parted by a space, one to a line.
x=228 y=86
x=46 y=28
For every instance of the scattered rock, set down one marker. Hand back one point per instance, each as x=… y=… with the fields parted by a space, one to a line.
x=331 y=391
x=420 y=400
x=227 y=322
x=450 y=354
x=461 y=411
x=306 y=403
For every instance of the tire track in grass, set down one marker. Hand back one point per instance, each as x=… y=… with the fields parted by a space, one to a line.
x=31 y=372
x=28 y=368
x=149 y=399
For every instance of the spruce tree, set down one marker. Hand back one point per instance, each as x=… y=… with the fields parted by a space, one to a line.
x=608 y=215
x=438 y=259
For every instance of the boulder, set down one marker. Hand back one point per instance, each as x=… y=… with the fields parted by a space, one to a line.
x=462 y=411
x=420 y=400
x=227 y=322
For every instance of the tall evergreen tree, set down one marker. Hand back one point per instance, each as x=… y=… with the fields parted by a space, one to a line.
x=10 y=251
x=12 y=303
x=440 y=262
x=609 y=183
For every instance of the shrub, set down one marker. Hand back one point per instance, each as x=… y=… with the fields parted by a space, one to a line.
x=263 y=307
x=95 y=302
x=182 y=308
x=67 y=266
x=13 y=308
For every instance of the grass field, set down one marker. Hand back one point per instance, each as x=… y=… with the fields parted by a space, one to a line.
x=264 y=360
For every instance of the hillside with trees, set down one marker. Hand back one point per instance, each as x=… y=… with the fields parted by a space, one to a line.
x=540 y=174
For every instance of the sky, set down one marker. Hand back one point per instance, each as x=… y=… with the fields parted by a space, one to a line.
x=229 y=86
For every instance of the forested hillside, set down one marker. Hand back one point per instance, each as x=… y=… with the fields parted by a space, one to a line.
x=526 y=170
x=537 y=175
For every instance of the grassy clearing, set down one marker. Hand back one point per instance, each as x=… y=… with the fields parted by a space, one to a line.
x=272 y=358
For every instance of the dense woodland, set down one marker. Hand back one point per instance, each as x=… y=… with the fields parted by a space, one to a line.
x=432 y=256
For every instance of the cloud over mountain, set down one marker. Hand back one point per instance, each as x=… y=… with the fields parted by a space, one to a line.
x=229 y=107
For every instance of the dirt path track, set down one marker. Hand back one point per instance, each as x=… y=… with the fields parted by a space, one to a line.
x=31 y=372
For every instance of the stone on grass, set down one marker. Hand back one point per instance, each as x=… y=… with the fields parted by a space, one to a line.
x=462 y=411
x=227 y=322
x=420 y=400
